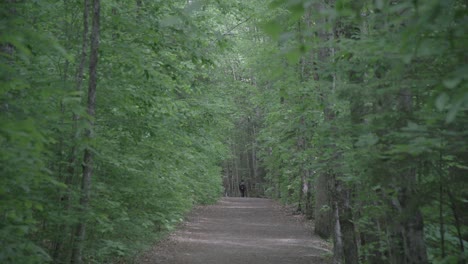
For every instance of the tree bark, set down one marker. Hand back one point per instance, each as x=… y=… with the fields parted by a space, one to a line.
x=338 y=247
x=323 y=213
x=343 y=198
x=441 y=220
x=254 y=170
x=345 y=245
x=413 y=235
x=412 y=222
x=70 y=174
x=309 y=206
x=458 y=225
x=88 y=156
x=343 y=193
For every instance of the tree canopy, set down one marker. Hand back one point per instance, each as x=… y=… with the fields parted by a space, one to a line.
x=117 y=117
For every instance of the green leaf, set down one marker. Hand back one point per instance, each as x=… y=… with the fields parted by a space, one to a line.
x=379 y=4
x=452 y=83
x=367 y=140
x=455 y=108
x=294 y=56
x=297 y=10
x=194 y=5
x=171 y=21
x=273 y=28
x=441 y=101
x=276 y=3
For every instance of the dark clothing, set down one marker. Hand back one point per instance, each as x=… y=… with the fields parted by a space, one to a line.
x=242 y=189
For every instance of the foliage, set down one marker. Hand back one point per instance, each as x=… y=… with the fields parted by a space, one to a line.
x=303 y=99
x=159 y=134
x=393 y=75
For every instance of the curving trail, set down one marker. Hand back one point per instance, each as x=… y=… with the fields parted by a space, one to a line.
x=240 y=230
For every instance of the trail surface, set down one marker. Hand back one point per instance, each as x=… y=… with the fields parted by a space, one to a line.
x=240 y=230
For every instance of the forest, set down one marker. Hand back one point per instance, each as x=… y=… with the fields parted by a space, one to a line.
x=118 y=117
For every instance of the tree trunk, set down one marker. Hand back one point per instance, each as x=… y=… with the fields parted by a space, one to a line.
x=323 y=214
x=395 y=243
x=338 y=247
x=323 y=206
x=412 y=222
x=254 y=175
x=343 y=193
x=59 y=253
x=413 y=235
x=88 y=156
x=456 y=216
x=441 y=219
x=309 y=199
x=346 y=223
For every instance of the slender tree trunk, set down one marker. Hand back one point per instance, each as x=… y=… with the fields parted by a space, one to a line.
x=345 y=245
x=395 y=243
x=322 y=212
x=323 y=206
x=301 y=147
x=139 y=5
x=441 y=220
x=441 y=202
x=233 y=191
x=237 y=180
x=338 y=247
x=412 y=223
x=413 y=235
x=88 y=156
x=343 y=193
x=59 y=254
x=254 y=155
x=371 y=238
x=346 y=223
x=309 y=198
x=79 y=88
x=456 y=216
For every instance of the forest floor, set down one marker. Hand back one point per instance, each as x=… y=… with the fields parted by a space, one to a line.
x=240 y=230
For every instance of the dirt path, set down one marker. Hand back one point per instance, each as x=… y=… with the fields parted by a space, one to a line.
x=240 y=230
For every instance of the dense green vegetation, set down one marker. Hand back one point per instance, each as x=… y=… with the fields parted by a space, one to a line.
x=354 y=111
x=157 y=136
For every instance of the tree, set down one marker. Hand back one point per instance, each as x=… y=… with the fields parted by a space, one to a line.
x=91 y=110
x=374 y=136
x=157 y=126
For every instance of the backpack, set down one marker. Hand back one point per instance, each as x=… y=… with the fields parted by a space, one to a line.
x=242 y=186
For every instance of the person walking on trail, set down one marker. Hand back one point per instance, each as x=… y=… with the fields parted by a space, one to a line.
x=242 y=188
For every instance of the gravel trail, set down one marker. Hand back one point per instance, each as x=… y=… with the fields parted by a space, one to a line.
x=240 y=230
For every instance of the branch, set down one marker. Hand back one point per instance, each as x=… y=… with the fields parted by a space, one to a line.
x=234 y=27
